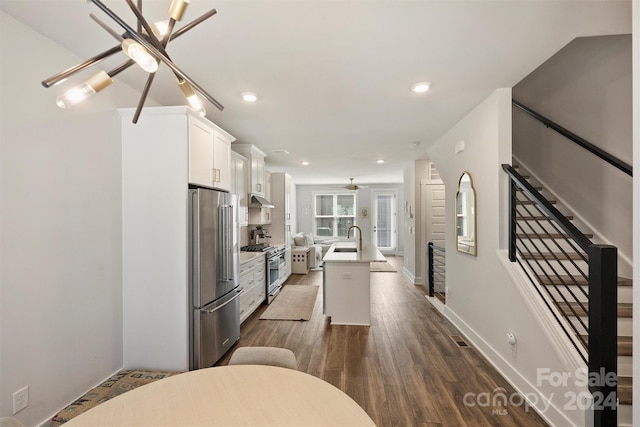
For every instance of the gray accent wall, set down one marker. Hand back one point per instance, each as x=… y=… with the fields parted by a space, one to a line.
x=586 y=88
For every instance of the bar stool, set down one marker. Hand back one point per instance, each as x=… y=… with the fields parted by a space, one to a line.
x=272 y=356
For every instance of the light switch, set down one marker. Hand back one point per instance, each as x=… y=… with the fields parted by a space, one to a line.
x=347 y=275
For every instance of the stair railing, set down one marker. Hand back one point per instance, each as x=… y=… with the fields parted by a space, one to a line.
x=437 y=271
x=540 y=238
x=612 y=160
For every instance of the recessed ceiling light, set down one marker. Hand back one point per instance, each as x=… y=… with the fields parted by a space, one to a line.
x=421 y=87
x=249 y=96
x=414 y=144
x=380 y=161
x=305 y=163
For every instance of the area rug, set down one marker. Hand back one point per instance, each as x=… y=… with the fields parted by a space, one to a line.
x=293 y=303
x=382 y=266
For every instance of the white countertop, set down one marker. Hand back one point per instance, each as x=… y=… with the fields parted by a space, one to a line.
x=369 y=253
x=249 y=256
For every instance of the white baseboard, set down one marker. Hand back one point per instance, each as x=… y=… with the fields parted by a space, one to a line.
x=553 y=415
x=47 y=422
x=409 y=275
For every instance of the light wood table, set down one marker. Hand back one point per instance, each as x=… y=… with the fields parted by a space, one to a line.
x=239 y=395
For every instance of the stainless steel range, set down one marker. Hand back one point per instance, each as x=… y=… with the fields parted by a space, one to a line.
x=275 y=258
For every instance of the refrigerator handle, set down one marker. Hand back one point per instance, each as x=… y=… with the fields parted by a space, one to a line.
x=227 y=237
x=213 y=310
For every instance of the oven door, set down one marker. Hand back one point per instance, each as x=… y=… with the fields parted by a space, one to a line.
x=273 y=278
x=273 y=275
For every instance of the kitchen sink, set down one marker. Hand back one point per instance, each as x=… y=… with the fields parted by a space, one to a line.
x=345 y=250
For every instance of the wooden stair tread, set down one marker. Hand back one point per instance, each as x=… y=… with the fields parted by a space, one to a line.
x=625 y=345
x=530 y=202
x=625 y=309
x=625 y=392
x=555 y=256
x=540 y=218
x=577 y=281
x=546 y=236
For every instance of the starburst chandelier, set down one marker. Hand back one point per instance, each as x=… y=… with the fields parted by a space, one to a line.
x=144 y=46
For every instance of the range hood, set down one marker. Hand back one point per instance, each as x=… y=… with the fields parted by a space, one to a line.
x=260 y=202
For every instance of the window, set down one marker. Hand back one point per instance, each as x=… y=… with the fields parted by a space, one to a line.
x=334 y=214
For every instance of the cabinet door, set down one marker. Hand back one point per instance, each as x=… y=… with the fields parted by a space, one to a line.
x=257 y=176
x=221 y=161
x=201 y=168
x=266 y=212
x=287 y=201
x=240 y=174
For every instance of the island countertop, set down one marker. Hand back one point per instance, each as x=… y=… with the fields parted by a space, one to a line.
x=369 y=253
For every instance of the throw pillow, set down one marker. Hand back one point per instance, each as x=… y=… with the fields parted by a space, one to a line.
x=309 y=239
x=300 y=240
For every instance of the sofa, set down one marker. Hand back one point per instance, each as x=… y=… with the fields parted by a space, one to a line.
x=315 y=249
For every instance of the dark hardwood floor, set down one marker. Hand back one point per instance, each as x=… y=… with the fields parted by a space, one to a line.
x=404 y=369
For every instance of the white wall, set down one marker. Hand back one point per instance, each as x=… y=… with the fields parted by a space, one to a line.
x=483 y=302
x=304 y=208
x=409 y=228
x=586 y=88
x=60 y=246
x=415 y=258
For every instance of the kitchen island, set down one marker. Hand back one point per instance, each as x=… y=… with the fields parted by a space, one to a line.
x=346 y=282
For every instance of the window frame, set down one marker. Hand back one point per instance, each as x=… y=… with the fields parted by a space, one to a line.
x=335 y=216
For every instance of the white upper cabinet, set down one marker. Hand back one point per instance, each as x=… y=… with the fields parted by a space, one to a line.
x=239 y=181
x=209 y=154
x=257 y=171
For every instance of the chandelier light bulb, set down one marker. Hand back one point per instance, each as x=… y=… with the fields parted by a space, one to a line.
x=79 y=93
x=196 y=104
x=161 y=28
x=193 y=99
x=138 y=53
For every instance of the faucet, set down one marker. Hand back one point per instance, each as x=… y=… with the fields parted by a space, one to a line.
x=360 y=234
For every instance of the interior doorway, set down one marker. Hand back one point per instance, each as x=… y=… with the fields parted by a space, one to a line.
x=433 y=196
x=384 y=224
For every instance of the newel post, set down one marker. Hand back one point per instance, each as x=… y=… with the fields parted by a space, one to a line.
x=603 y=333
x=512 y=219
x=431 y=285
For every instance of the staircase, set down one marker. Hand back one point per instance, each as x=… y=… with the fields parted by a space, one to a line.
x=560 y=267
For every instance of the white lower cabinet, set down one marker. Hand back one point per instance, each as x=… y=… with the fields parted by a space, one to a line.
x=252 y=283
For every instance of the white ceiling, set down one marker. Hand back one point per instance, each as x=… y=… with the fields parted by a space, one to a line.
x=334 y=76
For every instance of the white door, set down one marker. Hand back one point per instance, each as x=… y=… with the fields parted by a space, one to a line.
x=385 y=219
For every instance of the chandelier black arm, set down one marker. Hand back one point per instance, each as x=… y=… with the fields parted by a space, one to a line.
x=106 y=27
x=150 y=34
x=159 y=44
x=137 y=37
x=193 y=23
x=56 y=78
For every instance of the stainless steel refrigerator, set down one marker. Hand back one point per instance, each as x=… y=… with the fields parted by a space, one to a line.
x=214 y=272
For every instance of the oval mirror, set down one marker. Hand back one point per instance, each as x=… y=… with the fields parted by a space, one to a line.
x=466 y=215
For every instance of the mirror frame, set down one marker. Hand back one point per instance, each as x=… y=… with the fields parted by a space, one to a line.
x=462 y=246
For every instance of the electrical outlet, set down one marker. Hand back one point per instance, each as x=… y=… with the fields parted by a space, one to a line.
x=20 y=399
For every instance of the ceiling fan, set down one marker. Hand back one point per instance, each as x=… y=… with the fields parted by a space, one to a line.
x=352 y=186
